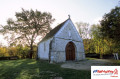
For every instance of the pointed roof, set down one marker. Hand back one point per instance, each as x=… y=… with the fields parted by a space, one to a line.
x=54 y=31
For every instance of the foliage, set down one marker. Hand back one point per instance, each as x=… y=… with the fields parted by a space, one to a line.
x=3 y=51
x=88 y=46
x=83 y=29
x=111 y=25
x=84 y=33
x=101 y=44
x=19 y=50
x=103 y=38
x=31 y=69
x=28 y=26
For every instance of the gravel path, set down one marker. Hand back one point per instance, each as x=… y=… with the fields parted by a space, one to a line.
x=85 y=64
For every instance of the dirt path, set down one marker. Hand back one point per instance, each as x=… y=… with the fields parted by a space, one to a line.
x=85 y=64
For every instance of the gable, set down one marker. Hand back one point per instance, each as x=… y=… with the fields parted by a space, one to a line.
x=68 y=31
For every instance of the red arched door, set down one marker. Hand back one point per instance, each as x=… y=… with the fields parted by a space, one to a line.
x=70 y=51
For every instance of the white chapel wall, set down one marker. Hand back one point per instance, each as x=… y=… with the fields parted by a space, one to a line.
x=69 y=32
x=58 y=52
x=43 y=49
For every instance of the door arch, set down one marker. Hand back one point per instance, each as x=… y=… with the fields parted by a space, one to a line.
x=70 y=51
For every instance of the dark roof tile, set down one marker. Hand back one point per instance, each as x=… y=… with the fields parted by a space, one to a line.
x=53 y=31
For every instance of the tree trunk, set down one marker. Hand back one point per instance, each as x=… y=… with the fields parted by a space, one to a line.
x=37 y=54
x=31 y=51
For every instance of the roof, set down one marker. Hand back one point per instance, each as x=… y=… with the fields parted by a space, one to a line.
x=53 y=31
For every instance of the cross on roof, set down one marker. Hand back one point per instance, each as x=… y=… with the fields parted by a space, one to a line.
x=69 y=16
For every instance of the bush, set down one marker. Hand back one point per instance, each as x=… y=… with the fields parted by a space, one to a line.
x=93 y=55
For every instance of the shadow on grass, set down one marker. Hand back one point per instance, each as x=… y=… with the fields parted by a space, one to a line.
x=52 y=71
x=31 y=69
x=13 y=69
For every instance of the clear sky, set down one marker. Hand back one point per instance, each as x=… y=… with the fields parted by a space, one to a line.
x=90 y=11
x=80 y=10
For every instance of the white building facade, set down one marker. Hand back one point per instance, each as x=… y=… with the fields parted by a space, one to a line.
x=62 y=44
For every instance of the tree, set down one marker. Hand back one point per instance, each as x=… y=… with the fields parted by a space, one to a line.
x=99 y=44
x=83 y=29
x=28 y=26
x=111 y=25
x=102 y=45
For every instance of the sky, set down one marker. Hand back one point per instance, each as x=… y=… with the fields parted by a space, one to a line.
x=90 y=11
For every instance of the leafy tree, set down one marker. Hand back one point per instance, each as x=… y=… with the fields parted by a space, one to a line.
x=28 y=26
x=89 y=46
x=84 y=33
x=22 y=51
x=3 y=52
x=99 y=44
x=111 y=25
x=102 y=45
x=83 y=29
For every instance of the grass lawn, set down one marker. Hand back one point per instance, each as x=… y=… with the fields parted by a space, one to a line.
x=32 y=69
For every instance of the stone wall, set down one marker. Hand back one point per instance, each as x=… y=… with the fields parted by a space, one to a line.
x=55 y=47
x=58 y=56
x=58 y=53
x=43 y=49
x=69 y=32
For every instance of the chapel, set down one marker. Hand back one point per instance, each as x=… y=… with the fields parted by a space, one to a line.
x=61 y=44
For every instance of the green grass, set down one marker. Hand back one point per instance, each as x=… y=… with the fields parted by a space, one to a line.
x=90 y=58
x=115 y=62
x=32 y=69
